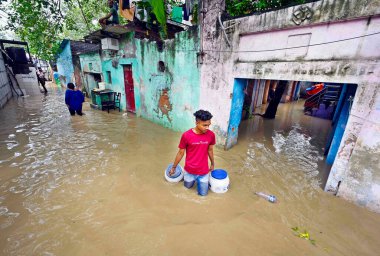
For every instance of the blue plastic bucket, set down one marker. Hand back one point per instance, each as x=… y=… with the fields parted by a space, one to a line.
x=177 y=176
x=219 y=174
x=219 y=181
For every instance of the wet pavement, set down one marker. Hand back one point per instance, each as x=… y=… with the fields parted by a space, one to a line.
x=94 y=185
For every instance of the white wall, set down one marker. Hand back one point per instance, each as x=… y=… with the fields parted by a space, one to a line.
x=355 y=61
x=5 y=88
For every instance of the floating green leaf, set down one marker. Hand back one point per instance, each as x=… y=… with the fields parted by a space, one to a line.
x=305 y=235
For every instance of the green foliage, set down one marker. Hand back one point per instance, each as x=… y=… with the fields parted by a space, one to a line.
x=44 y=23
x=195 y=14
x=143 y=5
x=174 y=2
x=77 y=24
x=37 y=22
x=243 y=7
x=156 y=13
x=160 y=13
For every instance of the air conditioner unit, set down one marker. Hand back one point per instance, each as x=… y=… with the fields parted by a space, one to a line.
x=110 y=44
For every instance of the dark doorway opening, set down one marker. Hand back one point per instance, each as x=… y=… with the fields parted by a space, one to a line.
x=315 y=113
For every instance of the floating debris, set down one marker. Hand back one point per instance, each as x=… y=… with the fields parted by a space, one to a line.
x=305 y=235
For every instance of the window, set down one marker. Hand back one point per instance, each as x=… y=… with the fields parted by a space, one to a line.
x=161 y=66
x=109 y=78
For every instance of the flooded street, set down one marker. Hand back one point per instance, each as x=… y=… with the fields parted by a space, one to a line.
x=94 y=185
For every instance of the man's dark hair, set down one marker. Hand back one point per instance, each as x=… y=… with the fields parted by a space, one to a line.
x=202 y=115
x=71 y=86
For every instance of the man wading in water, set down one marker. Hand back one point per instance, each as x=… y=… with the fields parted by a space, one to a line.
x=198 y=143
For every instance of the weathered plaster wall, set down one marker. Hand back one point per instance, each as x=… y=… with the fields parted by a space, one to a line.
x=171 y=97
x=28 y=82
x=277 y=30
x=216 y=71
x=323 y=12
x=5 y=88
x=353 y=61
x=65 y=65
x=168 y=97
x=357 y=168
x=113 y=62
x=90 y=63
x=360 y=182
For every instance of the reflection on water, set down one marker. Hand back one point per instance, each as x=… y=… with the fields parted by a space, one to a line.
x=94 y=185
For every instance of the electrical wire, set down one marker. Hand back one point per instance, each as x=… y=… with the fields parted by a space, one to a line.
x=286 y=48
x=309 y=45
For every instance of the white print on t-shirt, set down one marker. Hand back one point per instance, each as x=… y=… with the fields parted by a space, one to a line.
x=200 y=142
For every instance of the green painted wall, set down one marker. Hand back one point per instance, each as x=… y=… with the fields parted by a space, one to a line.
x=112 y=66
x=90 y=63
x=168 y=98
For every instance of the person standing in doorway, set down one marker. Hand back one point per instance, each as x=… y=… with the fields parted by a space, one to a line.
x=271 y=94
x=41 y=78
x=198 y=144
x=74 y=99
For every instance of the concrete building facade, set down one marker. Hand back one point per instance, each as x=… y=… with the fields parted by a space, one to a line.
x=5 y=87
x=158 y=82
x=329 y=41
x=325 y=41
x=68 y=61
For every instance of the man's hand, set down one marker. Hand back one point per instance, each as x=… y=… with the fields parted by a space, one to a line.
x=172 y=171
x=211 y=167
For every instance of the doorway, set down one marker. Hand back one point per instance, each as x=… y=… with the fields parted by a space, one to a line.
x=129 y=88
x=312 y=116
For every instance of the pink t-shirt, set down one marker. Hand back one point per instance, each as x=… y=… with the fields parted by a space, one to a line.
x=196 y=146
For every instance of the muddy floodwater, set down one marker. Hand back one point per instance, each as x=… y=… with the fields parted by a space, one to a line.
x=94 y=185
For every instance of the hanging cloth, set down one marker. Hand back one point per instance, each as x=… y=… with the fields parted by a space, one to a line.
x=125 y=5
x=185 y=13
x=189 y=6
x=176 y=14
x=125 y=10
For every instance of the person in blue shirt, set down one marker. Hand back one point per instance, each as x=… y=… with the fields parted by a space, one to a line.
x=74 y=99
x=56 y=78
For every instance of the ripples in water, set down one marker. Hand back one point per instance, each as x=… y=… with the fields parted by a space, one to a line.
x=81 y=182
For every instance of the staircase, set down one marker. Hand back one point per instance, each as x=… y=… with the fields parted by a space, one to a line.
x=323 y=103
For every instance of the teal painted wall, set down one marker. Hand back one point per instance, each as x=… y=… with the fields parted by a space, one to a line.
x=113 y=62
x=90 y=63
x=168 y=98
x=171 y=97
x=65 y=65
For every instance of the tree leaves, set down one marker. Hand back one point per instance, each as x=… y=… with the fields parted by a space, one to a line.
x=159 y=11
x=44 y=23
x=243 y=7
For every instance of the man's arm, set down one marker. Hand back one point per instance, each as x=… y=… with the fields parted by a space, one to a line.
x=177 y=159
x=211 y=156
x=107 y=16
x=67 y=98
